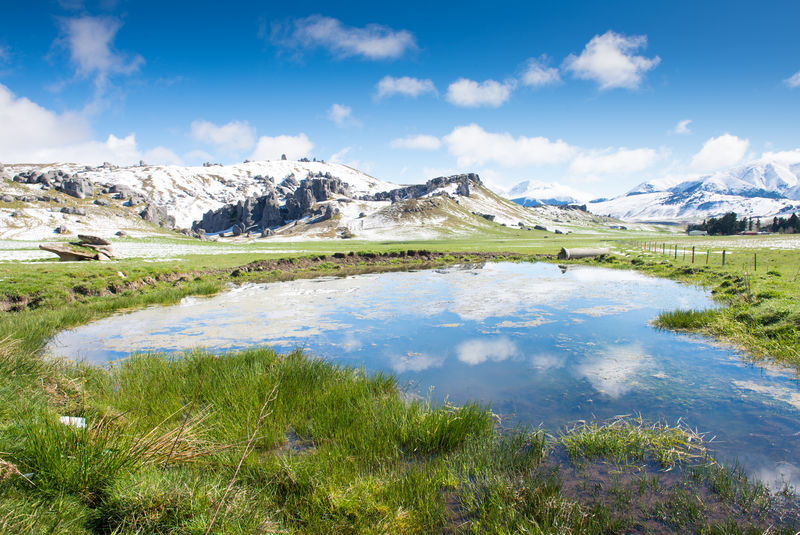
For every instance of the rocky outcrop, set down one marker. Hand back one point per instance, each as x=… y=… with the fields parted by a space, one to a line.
x=416 y=191
x=157 y=215
x=73 y=185
x=259 y=214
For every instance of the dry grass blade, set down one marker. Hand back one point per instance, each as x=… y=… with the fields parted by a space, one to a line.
x=8 y=470
x=261 y=415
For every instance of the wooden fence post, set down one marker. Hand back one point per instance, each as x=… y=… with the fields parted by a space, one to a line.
x=692 y=254
x=723 y=257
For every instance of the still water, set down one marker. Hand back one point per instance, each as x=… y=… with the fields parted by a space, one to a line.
x=542 y=345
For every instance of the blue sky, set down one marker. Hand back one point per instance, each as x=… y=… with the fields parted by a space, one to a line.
x=596 y=95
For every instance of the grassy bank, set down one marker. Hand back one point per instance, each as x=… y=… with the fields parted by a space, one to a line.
x=257 y=442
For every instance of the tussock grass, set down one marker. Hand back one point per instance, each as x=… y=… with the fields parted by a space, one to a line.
x=685 y=319
x=625 y=440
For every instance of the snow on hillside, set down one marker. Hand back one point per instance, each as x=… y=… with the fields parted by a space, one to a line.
x=188 y=192
x=763 y=188
x=534 y=193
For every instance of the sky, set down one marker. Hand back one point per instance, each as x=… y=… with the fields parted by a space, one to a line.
x=599 y=96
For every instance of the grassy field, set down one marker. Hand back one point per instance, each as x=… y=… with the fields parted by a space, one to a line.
x=257 y=442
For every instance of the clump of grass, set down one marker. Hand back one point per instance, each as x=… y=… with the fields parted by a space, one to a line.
x=626 y=440
x=80 y=461
x=685 y=319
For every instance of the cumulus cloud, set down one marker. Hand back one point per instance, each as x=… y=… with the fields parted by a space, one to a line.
x=471 y=94
x=373 y=41
x=231 y=137
x=342 y=115
x=472 y=145
x=609 y=60
x=610 y=161
x=30 y=133
x=271 y=148
x=405 y=85
x=538 y=73
x=479 y=350
x=793 y=81
x=89 y=41
x=682 y=127
x=720 y=152
x=421 y=141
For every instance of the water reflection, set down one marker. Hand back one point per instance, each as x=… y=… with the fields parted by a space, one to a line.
x=541 y=345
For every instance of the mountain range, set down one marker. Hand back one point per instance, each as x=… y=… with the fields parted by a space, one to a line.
x=280 y=199
x=762 y=188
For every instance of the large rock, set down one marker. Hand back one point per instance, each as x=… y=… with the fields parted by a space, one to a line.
x=157 y=215
x=77 y=187
x=420 y=190
x=67 y=254
x=93 y=240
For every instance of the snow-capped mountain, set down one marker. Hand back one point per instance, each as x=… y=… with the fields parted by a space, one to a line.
x=763 y=188
x=186 y=193
x=271 y=199
x=534 y=193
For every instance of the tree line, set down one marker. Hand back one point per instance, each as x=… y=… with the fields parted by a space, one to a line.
x=731 y=224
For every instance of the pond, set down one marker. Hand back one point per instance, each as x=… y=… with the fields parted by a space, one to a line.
x=543 y=345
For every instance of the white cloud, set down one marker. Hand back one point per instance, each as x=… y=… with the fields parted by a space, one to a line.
x=479 y=350
x=720 y=152
x=421 y=141
x=682 y=127
x=788 y=157
x=89 y=40
x=609 y=161
x=373 y=41
x=342 y=115
x=793 y=81
x=231 y=137
x=271 y=148
x=415 y=362
x=338 y=157
x=405 y=85
x=472 y=145
x=538 y=74
x=472 y=94
x=608 y=60
x=162 y=155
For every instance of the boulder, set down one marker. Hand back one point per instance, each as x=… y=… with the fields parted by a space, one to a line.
x=121 y=233
x=67 y=254
x=157 y=215
x=93 y=240
x=61 y=229
x=78 y=187
x=7 y=198
x=102 y=202
x=73 y=210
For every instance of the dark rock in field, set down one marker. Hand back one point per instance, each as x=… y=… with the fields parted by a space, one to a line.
x=121 y=191
x=78 y=187
x=157 y=215
x=27 y=198
x=419 y=190
x=487 y=217
x=121 y=233
x=102 y=202
x=73 y=210
x=61 y=229
x=266 y=233
x=7 y=198
x=93 y=240
x=539 y=227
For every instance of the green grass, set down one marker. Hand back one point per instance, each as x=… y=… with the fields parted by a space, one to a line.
x=342 y=451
